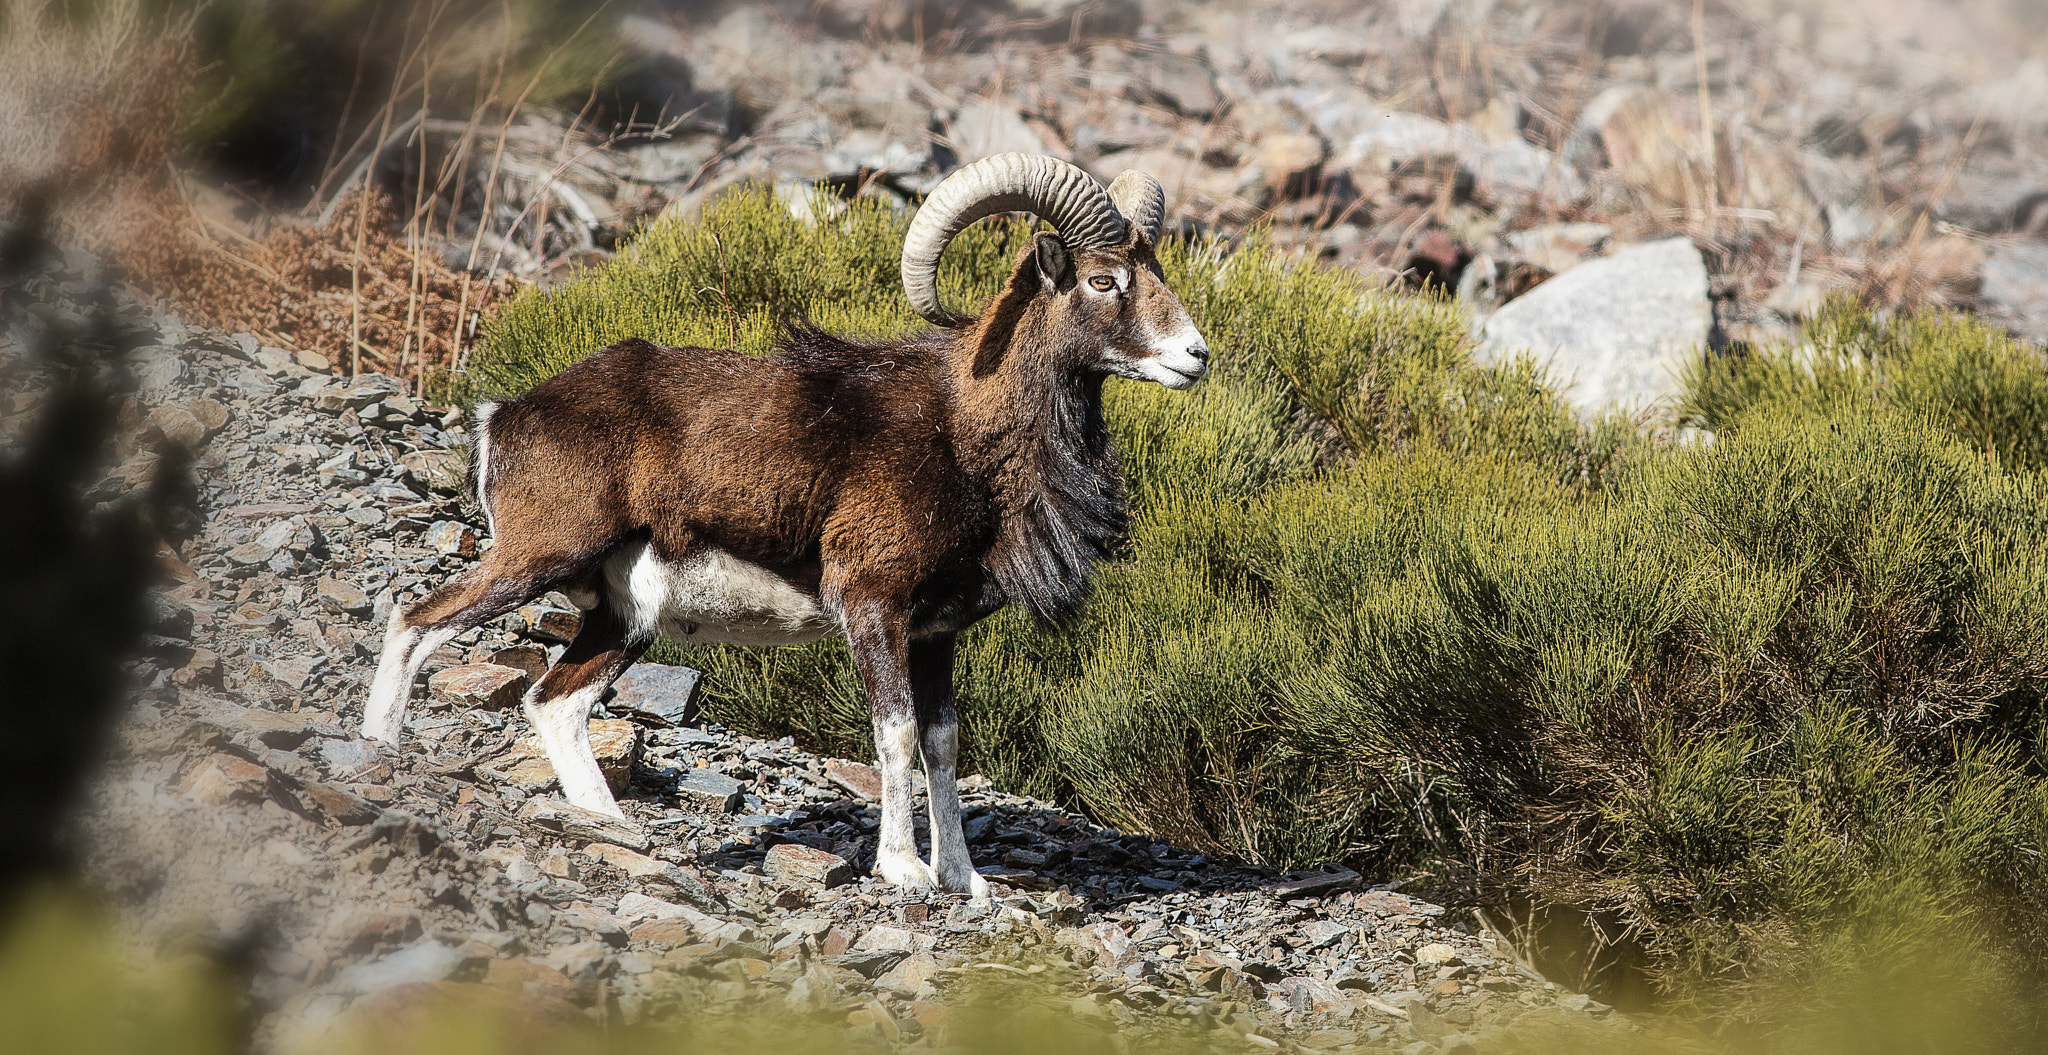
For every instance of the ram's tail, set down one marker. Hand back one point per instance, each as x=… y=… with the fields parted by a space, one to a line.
x=480 y=462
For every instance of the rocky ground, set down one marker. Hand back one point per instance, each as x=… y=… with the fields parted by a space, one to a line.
x=241 y=811
x=1798 y=149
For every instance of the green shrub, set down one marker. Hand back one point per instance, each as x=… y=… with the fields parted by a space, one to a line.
x=1961 y=375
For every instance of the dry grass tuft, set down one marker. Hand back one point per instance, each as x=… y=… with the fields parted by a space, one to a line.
x=385 y=308
x=88 y=116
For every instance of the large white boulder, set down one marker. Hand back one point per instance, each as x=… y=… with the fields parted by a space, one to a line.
x=1614 y=331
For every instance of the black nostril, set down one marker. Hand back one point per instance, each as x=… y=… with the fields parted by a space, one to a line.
x=1200 y=353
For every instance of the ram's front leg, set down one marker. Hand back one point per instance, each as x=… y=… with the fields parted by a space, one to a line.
x=938 y=727
x=880 y=637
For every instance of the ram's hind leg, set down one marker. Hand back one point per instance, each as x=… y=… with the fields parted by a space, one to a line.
x=559 y=706
x=416 y=630
x=881 y=651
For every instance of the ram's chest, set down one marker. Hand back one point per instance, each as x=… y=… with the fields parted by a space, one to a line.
x=714 y=597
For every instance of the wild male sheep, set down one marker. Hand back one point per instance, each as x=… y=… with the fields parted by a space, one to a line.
x=893 y=491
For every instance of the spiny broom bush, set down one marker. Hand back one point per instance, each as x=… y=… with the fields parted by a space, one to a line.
x=1774 y=702
x=1764 y=694
x=1964 y=376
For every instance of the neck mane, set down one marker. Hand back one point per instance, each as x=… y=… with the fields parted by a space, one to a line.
x=1042 y=448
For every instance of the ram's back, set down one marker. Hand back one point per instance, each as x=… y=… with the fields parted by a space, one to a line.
x=702 y=446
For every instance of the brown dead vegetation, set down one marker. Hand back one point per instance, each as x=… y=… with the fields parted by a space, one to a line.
x=349 y=290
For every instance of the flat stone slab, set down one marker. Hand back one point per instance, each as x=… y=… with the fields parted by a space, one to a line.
x=615 y=742
x=340 y=805
x=224 y=778
x=342 y=598
x=862 y=782
x=484 y=685
x=559 y=818
x=710 y=791
x=661 y=691
x=801 y=865
x=529 y=658
x=1313 y=885
x=550 y=624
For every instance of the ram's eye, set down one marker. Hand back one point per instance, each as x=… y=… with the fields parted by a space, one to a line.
x=1103 y=283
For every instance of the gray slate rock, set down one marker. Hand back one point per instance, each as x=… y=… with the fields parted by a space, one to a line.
x=1616 y=330
x=985 y=129
x=348 y=756
x=558 y=818
x=710 y=791
x=428 y=961
x=2016 y=287
x=658 y=690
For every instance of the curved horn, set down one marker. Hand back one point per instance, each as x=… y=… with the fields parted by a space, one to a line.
x=1141 y=200
x=1059 y=193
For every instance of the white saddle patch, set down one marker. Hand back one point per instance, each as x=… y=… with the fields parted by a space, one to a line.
x=712 y=596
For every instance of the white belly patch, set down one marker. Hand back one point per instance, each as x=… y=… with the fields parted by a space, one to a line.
x=712 y=596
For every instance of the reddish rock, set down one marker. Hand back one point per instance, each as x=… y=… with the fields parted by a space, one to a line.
x=188 y=424
x=550 y=624
x=911 y=975
x=533 y=661
x=536 y=981
x=225 y=778
x=478 y=685
x=339 y=805
x=637 y=865
x=796 y=863
x=616 y=743
x=863 y=782
x=200 y=671
x=875 y=1016
x=342 y=598
x=452 y=537
x=664 y=932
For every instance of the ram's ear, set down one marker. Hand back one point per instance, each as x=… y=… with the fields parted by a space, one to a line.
x=1055 y=264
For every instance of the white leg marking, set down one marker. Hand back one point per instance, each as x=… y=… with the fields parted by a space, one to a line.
x=405 y=651
x=950 y=859
x=564 y=727
x=896 y=856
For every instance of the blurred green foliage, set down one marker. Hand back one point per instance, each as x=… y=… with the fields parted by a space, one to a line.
x=74 y=985
x=1772 y=700
x=67 y=985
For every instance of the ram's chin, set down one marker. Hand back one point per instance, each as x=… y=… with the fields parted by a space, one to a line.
x=1158 y=372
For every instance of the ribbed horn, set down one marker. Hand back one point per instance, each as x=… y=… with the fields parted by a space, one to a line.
x=1141 y=200
x=1056 y=192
